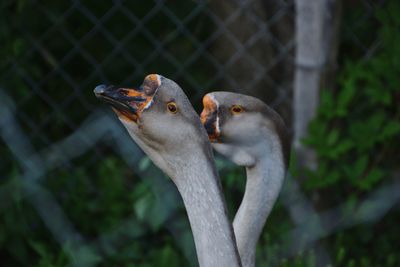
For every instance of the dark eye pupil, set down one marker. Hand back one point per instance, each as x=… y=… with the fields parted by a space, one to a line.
x=237 y=109
x=171 y=107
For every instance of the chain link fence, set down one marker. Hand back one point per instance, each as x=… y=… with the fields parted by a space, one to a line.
x=50 y=123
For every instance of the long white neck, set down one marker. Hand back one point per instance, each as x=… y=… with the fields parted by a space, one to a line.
x=192 y=169
x=198 y=183
x=264 y=181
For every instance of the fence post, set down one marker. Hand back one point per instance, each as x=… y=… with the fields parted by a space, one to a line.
x=316 y=27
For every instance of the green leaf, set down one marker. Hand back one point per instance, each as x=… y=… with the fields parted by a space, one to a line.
x=167 y=257
x=360 y=166
x=345 y=97
x=157 y=216
x=40 y=248
x=142 y=206
x=390 y=130
x=341 y=148
x=340 y=255
x=332 y=137
x=327 y=104
x=374 y=176
x=144 y=163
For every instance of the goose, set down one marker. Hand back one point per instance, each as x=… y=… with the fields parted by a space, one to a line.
x=249 y=133
x=160 y=119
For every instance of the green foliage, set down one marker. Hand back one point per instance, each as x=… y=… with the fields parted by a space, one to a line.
x=99 y=201
x=356 y=132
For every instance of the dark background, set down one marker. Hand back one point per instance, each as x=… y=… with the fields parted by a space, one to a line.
x=76 y=190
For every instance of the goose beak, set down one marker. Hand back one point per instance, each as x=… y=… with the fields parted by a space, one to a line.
x=129 y=103
x=209 y=117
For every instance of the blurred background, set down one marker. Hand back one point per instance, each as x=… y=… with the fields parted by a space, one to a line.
x=75 y=190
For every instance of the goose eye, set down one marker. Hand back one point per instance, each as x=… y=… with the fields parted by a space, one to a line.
x=236 y=109
x=172 y=107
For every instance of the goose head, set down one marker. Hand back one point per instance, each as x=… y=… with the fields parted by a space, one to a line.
x=159 y=117
x=243 y=128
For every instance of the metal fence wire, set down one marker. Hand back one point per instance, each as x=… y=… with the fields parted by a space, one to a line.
x=54 y=54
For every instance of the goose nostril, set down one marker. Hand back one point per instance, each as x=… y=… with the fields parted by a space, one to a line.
x=100 y=89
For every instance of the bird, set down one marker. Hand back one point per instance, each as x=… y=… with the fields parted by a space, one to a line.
x=161 y=120
x=251 y=134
